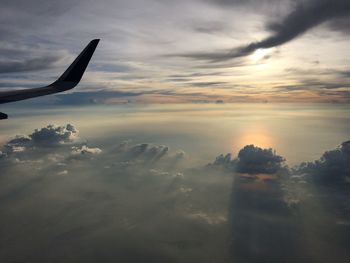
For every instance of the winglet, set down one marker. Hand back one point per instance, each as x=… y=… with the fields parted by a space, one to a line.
x=75 y=71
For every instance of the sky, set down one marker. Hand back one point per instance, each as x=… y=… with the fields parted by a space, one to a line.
x=183 y=51
x=194 y=135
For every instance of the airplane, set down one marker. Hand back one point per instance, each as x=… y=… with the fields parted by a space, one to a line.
x=68 y=80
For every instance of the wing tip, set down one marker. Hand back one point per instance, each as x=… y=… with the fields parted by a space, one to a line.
x=76 y=70
x=95 y=41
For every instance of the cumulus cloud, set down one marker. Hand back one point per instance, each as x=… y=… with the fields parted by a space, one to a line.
x=54 y=135
x=85 y=150
x=50 y=135
x=225 y=161
x=149 y=153
x=18 y=144
x=332 y=167
x=55 y=145
x=49 y=144
x=251 y=160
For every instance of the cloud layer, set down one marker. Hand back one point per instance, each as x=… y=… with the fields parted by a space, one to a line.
x=83 y=202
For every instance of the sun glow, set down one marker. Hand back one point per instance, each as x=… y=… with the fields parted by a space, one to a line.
x=257 y=136
x=258 y=139
x=259 y=54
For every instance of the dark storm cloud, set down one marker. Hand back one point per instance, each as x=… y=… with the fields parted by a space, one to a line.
x=304 y=17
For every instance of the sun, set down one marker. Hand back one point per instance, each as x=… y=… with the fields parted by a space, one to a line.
x=259 y=54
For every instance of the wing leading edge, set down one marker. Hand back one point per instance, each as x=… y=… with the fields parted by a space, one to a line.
x=68 y=80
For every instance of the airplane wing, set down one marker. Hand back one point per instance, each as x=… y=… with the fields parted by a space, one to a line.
x=68 y=80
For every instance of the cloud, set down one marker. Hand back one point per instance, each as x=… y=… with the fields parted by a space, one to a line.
x=54 y=135
x=94 y=97
x=31 y=45
x=62 y=173
x=55 y=144
x=119 y=205
x=149 y=154
x=251 y=160
x=332 y=167
x=225 y=161
x=29 y=64
x=48 y=136
x=2 y=155
x=18 y=144
x=85 y=150
x=305 y=16
x=128 y=196
x=209 y=84
x=341 y=24
x=250 y=3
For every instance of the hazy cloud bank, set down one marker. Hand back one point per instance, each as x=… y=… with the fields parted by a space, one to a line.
x=149 y=200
